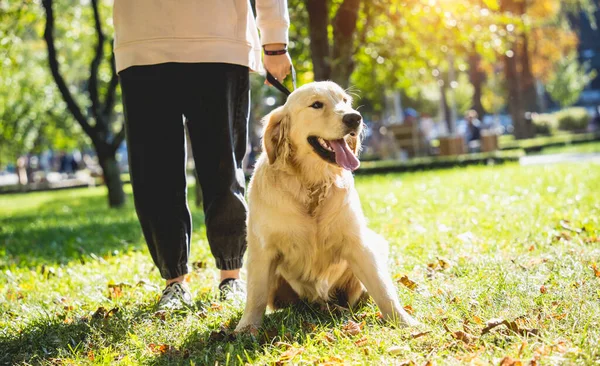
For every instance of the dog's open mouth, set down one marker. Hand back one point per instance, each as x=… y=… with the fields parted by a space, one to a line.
x=335 y=152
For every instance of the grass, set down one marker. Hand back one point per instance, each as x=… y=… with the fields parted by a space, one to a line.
x=479 y=243
x=582 y=148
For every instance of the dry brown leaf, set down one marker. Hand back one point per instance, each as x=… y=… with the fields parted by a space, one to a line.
x=361 y=342
x=513 y=326
x=596 y=270
x=160 y=314
x=216 y=306
x=477 y=320
x=409 y=309
x=329 y=337
x=419 y=334
x=289 y=355
x=90 y=355
x=352 y=328
x=160 y=348
x=439 y=265
x=592 y=240
x=412 y=285
x=509 y=361
x=331 y=361
x=543 y=289
x=463 y=336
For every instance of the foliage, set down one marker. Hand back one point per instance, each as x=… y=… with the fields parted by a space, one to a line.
x=545 y=123
x=479 y=243
x=573 y=119
x=569 y=80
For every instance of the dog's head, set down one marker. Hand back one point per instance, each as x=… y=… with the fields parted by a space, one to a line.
x=317 y=125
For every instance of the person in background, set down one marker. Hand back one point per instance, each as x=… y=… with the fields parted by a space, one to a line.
x=192 y=58
x=473 y=132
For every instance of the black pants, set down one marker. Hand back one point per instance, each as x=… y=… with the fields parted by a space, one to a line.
x=214 y=98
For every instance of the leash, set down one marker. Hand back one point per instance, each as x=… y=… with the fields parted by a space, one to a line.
x=279 y=86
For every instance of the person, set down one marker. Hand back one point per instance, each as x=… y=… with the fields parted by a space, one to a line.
x=473 y=132
x=191 y=59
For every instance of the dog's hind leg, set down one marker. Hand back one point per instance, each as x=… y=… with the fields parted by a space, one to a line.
x=281 y=294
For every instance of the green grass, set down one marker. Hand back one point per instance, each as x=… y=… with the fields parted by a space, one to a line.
x=587 y=147
x=495 y=233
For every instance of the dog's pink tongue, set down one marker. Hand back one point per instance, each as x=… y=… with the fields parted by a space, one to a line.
x=343 y=156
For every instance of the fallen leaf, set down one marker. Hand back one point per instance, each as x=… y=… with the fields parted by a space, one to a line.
x=160 y=314
x=463 y=336
x=592 y=240
x=331 y=361
x=90 y=355
x=543 y=289
x=352 y=328
x=513 y=326
x=409 y=309
x=477 y=320
x=596 y=270
x=329 y=337
x=361 y=342
x=289 y=355
x=114 y=292
x=419 y=334
x=158 y=348
x=509 y=361
x=412 y=285
x=216 y=306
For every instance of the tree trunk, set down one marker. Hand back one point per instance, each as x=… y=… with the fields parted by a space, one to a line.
x=477 y=78
x=112 y=179
x=515 y=102
x=446 y=109
x=344 y=27
x=318 y=20
x=529 y=92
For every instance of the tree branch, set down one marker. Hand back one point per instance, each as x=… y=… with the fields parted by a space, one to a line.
x=54 y=68
x=95 y=65
x=119 y=137
x=109 y=101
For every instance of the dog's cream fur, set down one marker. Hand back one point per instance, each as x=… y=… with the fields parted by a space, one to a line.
x=307 y=236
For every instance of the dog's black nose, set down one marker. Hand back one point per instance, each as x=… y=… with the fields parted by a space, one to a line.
x=352 y=120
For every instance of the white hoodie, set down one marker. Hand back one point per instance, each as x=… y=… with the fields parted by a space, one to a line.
x=150 y=32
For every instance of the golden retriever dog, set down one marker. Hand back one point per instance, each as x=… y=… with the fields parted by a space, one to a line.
x=307 y=235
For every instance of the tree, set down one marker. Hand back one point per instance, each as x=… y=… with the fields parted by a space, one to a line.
x=335 y=62
x=101 y=109
x=569 y=80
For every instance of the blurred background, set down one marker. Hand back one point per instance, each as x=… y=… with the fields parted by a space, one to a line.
x=433 y=78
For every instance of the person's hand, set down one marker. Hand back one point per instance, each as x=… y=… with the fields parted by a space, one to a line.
x=280 y=65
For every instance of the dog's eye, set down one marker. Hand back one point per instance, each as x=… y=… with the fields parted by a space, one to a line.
x=317 y=105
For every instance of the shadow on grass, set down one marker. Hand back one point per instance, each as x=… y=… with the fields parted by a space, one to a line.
x=70 y=229
x=41 y=341
x=296 y=324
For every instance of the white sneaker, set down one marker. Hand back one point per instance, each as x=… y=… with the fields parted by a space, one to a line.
x=175 y=296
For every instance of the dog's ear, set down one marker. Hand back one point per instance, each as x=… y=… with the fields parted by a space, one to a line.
x=275 y=135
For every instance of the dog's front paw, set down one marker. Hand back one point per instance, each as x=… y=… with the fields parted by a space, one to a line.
x=251 y=329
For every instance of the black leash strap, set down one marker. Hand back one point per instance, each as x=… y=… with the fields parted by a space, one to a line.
x=279 y=86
